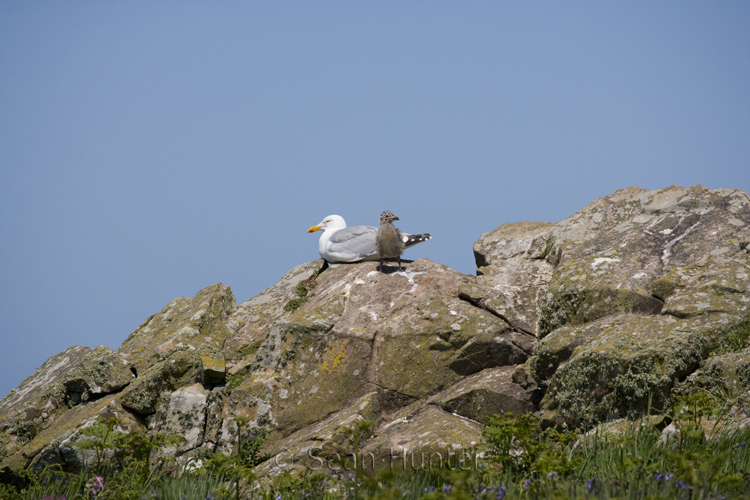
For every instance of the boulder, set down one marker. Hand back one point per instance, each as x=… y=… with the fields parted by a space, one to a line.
x=102 y=372
x=184 y=415
x=181 y=368
x=510 y=282
x=644 y=285
x=420 y=437
x=608 y=254
x=213 y=365
x=486 y=393
x=618 y=366
x=183 y=325
x=44 y=449
x=179 y=346
x=404 y=335
x=726 y=373
x=38 y=401
x=326 y=445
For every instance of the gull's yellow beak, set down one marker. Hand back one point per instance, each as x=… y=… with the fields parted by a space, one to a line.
x=314 y=228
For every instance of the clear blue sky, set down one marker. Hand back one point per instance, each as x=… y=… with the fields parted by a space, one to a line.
x=150 y=149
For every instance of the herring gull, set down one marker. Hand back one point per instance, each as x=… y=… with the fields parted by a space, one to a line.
x=339 y=243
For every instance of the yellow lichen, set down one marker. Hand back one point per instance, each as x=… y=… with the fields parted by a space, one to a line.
x=333 y=356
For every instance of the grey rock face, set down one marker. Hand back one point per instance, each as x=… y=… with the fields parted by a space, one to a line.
x=253 y=318
x=35 y=404
x=511 y=283
x=103 y=372
x=486 y=393
x=402 y=337
x=583 y=320
x=644 y=284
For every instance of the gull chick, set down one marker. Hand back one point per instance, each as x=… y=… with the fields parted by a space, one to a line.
x=340 y=243
x=389 y=240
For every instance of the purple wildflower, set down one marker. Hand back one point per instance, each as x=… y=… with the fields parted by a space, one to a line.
x=681 y=485
x=97 y=485
x=446 y=488
x=659 y=476
x=278 y=496
x=500 y=492
x=430 y=489
x=526 y=484
x=590 y=483
x=669 y=477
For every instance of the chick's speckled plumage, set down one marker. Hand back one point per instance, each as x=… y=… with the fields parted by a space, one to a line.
x=389 y=240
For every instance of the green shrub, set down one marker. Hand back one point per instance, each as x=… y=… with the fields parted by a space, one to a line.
x=518 y=444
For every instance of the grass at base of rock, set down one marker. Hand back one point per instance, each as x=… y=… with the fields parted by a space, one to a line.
x=519 y=461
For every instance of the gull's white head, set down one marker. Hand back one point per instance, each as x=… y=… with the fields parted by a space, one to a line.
x=330 y=222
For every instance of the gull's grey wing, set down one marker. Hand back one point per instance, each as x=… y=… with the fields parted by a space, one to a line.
x=356 y=240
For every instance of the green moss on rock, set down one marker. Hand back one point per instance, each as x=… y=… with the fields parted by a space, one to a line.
x=598 y=385
x=562 y=305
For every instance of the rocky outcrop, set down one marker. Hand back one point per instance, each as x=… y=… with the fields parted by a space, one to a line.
x=619 y=306
x=645 y=282
x=43 y=398
x=399 y=338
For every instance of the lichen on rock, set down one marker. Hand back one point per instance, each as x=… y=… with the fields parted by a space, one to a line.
x=628 y=303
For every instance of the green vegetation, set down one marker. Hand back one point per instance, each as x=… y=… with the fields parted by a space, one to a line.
x=303 y=291
x=735 y=338
x=250 y=349
x=234 y=381
x=518 y=459
x=560 y=309
x=3 y=443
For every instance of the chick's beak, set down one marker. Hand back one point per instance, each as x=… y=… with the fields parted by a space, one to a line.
x=314 y=228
